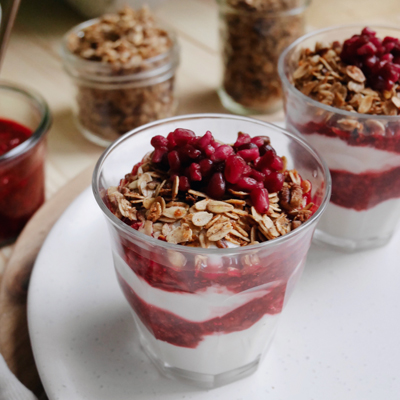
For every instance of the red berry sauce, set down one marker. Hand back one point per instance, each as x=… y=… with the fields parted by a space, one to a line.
x=21 y=180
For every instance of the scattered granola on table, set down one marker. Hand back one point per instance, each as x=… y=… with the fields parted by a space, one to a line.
x=124 y=72
x=253 y=35
x=195 y=191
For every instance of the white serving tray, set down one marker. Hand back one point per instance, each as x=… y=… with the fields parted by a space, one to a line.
x=338 y=338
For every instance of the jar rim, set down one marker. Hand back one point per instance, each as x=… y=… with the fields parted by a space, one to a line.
x=44 y=123
x=303 y=98
x=265 y=14
x=196 y=250
x=106 y=68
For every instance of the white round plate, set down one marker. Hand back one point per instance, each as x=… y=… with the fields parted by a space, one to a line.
x=338 y=338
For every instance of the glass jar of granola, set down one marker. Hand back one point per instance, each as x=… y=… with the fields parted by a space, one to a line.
x=253 y=33
x=123 y=66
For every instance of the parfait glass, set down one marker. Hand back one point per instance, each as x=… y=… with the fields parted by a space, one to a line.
x=362 y=152
x=207 y=316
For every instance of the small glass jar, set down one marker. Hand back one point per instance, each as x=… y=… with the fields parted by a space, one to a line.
x=207 y=315
x=252 y=35
x=111 y=101
x=22 y=167
x=362 y=152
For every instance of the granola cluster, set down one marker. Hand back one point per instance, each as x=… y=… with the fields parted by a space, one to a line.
x=253 y=35
x=323 y=76
x=149 y=200
x=111 y=98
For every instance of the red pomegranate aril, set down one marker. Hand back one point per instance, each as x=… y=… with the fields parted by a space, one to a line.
x=158 y=154
x=265 y=148
x=256 y=162
x=258 y=140
x=243 y=138
x=206 y=166
x=247 y=184
x=184 y=184
x=249 y=154
x=234 y=168
x=215 y=144
x=191 y=152
x=277 y=164
x=194 y=172
x=205 y=140
x=274 y=182
x=259 y=198
x=247 y=146
x=159 y=141
x=257 y=175
x=216 y=186
x=184 y=136
x=174 y=160
x=222 y=153
x=247 y=170
x=266 y=160
x=209 y=150
x=171 y=141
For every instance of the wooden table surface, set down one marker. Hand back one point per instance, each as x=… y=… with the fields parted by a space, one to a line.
x=33 y=60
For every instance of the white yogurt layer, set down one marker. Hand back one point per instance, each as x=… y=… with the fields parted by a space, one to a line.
x=341 y=156
x=379 y=221
x=217 y=353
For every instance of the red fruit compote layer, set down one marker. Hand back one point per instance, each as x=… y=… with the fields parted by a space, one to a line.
x=212 y=310
x=21 y=180
x=360 y=75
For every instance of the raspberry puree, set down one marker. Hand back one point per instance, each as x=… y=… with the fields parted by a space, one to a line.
x=21 y=180
x=364 y=190
x=178 y=331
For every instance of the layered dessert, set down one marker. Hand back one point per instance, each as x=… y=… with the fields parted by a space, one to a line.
x=360 y=141
x=204 y=292
x=21 y=179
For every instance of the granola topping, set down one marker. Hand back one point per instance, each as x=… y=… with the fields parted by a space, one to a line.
x=161 y=199
x=369 y=86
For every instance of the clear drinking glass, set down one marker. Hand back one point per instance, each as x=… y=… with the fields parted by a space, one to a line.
x=362 y=152
x=252 y=37
x=22 y=168
x=110 y=101
x=207 y=315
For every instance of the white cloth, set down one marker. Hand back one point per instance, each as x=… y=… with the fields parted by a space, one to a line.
x=10 y=387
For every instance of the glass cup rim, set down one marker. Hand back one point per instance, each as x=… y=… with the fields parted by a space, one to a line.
x=196 y=250
x=70 y=58
x=292 y=11
x=42 y=127
x=302 y=97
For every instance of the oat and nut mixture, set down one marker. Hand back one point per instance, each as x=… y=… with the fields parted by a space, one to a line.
x=112 y=98
x=341 y=75
x=253 y=35
x=247 y=195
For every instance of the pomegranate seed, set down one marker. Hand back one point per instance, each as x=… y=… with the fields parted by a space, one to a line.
x=277 y=164
x=184 y=184
x=234 y=168
x=190 y=151
x=257 y=175
x=243 y=138
x=265 y=148
x=174 y=161
x=266 y=160
x=247 y=184
x=257 y=162
x=206 y=166
x=249 y=154
x=259 y=198
x=159 y=141
x=205 y=140
x=209 y=150
x=247 y=146
x=258 y=141
x=219 y=167
x=194 y=172
x=274 y=182
x=158 y=154
x=216 y=186
x=171 y=141
x=183 y=136
x=222 y=153
x=247 y=170
x=215 y=144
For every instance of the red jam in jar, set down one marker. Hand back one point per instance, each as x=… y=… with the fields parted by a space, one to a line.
x=21 y=179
